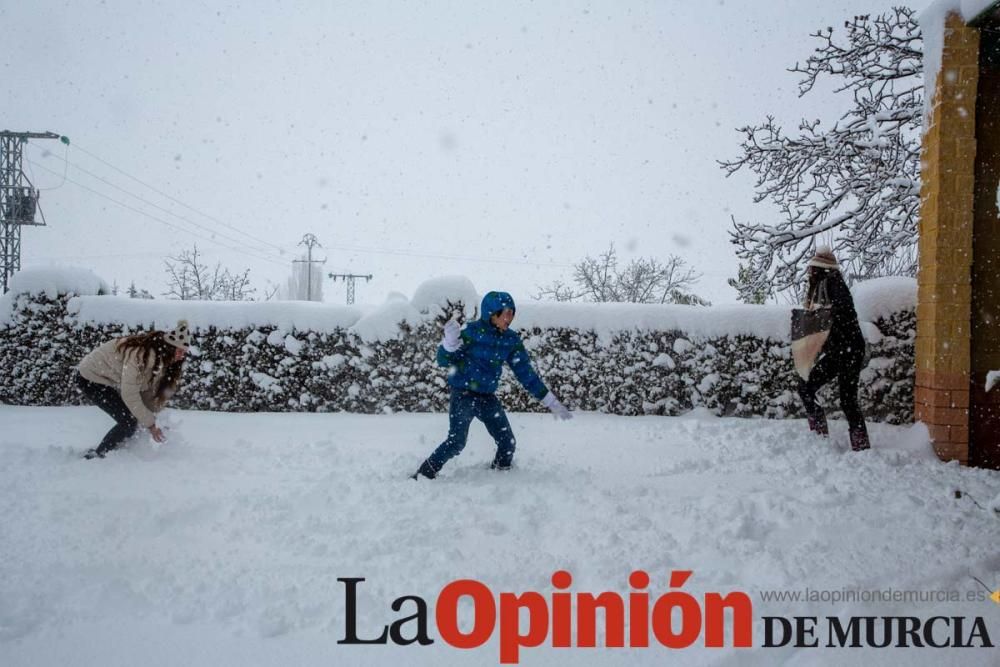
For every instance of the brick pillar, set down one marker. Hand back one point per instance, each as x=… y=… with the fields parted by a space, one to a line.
x=944 y=275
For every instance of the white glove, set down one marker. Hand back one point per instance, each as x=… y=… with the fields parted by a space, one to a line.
x=559 y=410
x=452 y=337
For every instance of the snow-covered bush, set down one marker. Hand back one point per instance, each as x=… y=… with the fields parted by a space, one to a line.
x=615 y=358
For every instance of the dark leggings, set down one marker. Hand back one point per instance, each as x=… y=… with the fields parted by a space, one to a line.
x=847 y=371
x=110 y=400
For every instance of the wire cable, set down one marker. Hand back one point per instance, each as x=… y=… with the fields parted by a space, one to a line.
x=164 y=222
x=284 y=250
x=161 y=208
x=175 y=200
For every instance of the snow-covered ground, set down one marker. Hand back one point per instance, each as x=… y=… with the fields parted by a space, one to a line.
x=223 y=546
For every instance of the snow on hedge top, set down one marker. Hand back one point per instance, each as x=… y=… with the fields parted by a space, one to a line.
x=382 y=323
x=932 y=22
x=163 y=314
x=606 y=319
x=55 y=281
x=433 y=295
x=881 y=297
x=50 y=282
x=874 y=299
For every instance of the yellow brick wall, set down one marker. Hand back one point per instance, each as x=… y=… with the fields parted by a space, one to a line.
x=944 y=296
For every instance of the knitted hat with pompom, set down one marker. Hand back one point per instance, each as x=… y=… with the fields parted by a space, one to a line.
x=824 y=259
x=180 y=336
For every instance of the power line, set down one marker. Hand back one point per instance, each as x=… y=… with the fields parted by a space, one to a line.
x=164 y=222
x=174 y=199
x=376 y=250
x=409 y=253
x=156 y=206
x=349 y=278
x=65 y=169
x=281 y=249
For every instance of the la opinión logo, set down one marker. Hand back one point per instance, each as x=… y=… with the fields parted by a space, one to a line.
x=673 y=619
x=551 y=618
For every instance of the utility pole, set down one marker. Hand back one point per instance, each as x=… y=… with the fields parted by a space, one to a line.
x=18 y=199
x=349 y=278
x=309 y=241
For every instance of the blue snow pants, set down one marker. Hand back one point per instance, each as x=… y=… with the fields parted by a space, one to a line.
x=463 y=407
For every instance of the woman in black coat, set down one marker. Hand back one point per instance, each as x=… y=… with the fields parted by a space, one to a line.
x=842 y=356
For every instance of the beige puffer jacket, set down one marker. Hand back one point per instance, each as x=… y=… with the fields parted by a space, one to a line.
x=132 y=376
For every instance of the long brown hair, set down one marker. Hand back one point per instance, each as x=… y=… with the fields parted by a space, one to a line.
x=153 y=341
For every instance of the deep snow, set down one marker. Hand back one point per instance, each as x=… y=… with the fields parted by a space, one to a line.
x=223 y=546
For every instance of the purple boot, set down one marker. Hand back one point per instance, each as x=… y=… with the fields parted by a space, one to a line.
x=818 y=425
x=859 y=440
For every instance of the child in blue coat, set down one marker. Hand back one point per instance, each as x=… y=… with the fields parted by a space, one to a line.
x=476 y=356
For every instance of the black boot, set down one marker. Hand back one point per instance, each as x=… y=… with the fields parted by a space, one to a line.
x=859 y=440
x=425 y=469
x=502 y=460
x=94 y=454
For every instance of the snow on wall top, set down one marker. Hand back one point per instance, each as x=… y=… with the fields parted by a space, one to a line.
x=932 y=22
x=874 y=299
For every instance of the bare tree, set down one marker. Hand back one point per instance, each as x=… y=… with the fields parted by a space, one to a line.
x=271 y=291
x=854 y=185
x=134 y=292
x=643 y=280
x=189 y=279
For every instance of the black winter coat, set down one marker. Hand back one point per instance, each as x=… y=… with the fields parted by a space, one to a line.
x=846 y=340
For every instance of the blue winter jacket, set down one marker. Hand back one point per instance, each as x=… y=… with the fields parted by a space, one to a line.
x=477 y=365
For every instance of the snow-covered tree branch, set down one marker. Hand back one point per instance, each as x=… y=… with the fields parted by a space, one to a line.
x=854 y=185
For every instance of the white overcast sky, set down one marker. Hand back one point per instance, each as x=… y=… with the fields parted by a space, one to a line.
x=498 y=140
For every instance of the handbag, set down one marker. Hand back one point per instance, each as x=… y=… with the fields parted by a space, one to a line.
x=810 y=329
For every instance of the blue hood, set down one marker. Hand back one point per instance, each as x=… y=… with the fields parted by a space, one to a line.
x=494 y=302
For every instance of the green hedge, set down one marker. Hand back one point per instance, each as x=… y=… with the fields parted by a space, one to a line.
x=632 y=373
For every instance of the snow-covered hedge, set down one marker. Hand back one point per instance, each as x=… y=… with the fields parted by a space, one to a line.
x=616 y=358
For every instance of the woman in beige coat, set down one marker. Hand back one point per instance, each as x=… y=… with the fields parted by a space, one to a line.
x=131 y=379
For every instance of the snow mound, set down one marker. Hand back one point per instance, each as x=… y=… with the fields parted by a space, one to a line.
x=51 y=282
x=432 y=296
x=882 y=297
x=55 y=281
x=383 y=322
